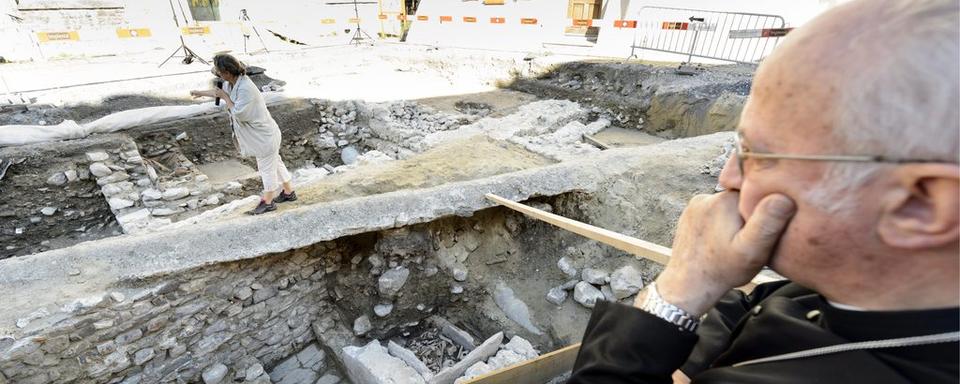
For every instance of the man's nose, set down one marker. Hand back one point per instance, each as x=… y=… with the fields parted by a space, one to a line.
x=730 y=176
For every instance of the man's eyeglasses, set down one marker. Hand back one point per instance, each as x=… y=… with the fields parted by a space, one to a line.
x=742 y=154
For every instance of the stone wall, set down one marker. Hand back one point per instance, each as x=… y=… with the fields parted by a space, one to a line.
x=51 y=200
x=174 y=328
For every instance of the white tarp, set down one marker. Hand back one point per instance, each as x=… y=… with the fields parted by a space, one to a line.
x=11 y=135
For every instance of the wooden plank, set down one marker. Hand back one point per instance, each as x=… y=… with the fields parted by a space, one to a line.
x=595 y=142
x=534 y=371
x=645 y=249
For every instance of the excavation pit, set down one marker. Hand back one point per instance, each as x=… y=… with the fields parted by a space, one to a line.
x=380 y=254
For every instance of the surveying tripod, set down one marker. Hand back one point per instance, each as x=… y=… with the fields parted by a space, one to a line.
x=244 y=19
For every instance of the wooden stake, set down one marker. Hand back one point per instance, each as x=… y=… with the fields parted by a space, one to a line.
x=536 y=371
x=595 y=142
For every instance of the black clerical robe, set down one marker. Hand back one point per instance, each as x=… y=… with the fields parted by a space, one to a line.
x=623 y=344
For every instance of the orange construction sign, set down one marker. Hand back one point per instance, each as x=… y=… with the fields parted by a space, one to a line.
x=678 y=25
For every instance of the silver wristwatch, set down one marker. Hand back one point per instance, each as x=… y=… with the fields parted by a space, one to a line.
x=655 y=305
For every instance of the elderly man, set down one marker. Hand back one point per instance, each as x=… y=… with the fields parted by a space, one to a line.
x=846 y=181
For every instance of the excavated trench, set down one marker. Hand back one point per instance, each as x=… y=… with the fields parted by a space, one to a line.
x=226 y=299
x=391 y=266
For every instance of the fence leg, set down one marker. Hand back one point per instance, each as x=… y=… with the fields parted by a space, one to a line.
x=687 y=68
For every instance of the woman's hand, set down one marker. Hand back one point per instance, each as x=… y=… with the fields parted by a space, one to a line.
x=199 y=94
x=219 y=92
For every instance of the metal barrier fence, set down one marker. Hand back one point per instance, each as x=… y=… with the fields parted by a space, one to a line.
x=727 y=36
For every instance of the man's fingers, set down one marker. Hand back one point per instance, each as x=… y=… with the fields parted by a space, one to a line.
x=764 y=228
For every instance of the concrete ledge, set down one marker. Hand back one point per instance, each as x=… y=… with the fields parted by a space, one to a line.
x=92 y=267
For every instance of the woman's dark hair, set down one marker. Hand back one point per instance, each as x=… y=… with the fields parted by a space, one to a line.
x=229 y=64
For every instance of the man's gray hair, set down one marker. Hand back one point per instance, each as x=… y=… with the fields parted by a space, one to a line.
x=903 y=99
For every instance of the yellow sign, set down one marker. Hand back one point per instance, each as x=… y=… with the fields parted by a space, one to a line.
x=198 y=30
x=354 y=20
x=126 y=33
x=328 y=21
x=46 y=37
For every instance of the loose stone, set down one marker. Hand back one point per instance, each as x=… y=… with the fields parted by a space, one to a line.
x=556 y=295
x=586 y=294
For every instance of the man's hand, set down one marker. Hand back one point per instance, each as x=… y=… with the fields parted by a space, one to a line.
x=715 y=251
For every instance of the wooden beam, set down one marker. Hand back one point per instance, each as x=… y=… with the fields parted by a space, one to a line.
x=645 y=249
x=535 y=371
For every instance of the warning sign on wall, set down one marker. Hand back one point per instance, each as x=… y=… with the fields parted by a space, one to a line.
x=754 y=33
x=46 y=37
x=196 y=30
x=127 y=33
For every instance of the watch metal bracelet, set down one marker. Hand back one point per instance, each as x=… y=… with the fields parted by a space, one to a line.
x=655 y=305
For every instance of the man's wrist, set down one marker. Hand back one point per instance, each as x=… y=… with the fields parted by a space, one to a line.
x=694 y=296
x=655 y=305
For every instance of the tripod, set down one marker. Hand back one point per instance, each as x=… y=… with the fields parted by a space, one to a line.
x=188 y=54
x=358 y=35
x=244 y=18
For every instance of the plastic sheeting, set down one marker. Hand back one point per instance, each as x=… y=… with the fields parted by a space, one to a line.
x=11 y=135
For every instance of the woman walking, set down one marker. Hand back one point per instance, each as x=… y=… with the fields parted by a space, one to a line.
x=254 y=130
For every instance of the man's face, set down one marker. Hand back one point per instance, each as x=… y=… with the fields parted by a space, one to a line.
x=789 y=113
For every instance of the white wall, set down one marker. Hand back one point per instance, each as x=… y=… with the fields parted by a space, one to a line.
x=301 y=20
x=296 y=19
x=549 y=33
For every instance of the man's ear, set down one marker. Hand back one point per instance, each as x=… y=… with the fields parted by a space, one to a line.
x=922 y=211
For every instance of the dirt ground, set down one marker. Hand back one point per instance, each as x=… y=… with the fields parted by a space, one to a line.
x=463 y=160
x=501 y=102
x=621 y=137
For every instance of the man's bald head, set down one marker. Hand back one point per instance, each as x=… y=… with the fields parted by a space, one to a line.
x=889 y=72
x=870 y=77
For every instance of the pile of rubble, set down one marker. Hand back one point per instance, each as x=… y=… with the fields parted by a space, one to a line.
x=339 y=124
x=141 y=199
x=400 y=128
x=552 y=128
x=592 y=284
